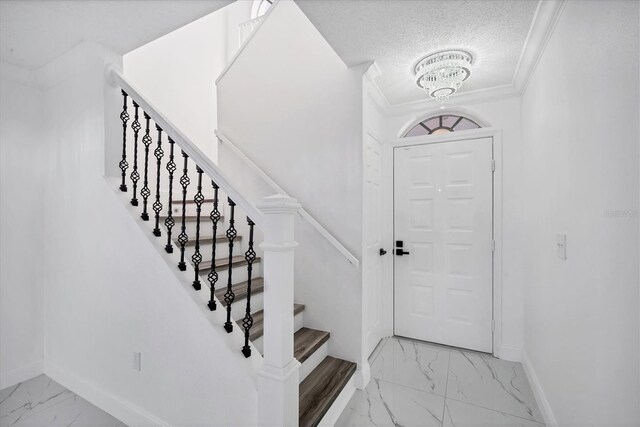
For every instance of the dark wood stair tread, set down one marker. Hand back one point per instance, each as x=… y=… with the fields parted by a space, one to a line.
x=258 y=321
x=191 y=201
x=321 y=388
x=177 y=217
x=306 y=341
x=222 y=263
x=240 y=290
x=208 y=239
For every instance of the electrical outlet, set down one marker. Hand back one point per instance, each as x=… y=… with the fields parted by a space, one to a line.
x=561 y=246
x=136 y=361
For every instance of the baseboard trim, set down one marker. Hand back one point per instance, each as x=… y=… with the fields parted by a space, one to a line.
x=118 y=407
x=363 y=375
x=18 y=375
x=536 y=387
x=511 y=353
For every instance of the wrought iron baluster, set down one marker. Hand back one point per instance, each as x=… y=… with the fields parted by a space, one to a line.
x=124 y=116
x=135 y=176
x=157 y=206
x=196 y=258
x=247 y=322
x=169 y=222
x=212 y=277
x=145 y=192
x=182 y=237
x=229 y=296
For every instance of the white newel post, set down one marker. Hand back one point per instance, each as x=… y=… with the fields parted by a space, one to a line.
x=278 y=378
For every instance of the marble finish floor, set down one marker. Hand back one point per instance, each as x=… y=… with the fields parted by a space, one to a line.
x=419 y=384
x=41 y=402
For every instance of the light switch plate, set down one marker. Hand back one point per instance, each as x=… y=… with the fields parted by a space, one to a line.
x=561 y=246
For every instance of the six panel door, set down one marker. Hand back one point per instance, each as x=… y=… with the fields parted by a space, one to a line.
x=443 y=212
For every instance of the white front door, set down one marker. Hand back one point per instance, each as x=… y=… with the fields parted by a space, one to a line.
x=372 y=261
x=443 y=197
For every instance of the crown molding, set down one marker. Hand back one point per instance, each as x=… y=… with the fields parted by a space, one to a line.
x=374 y=92
x=373 y=72
x=495 y=93
x=542 y=26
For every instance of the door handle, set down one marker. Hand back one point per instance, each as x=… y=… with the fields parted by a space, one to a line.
x=382 y=252
x=399 y=250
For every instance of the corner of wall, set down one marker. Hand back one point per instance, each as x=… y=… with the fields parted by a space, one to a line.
x=510 y=352
x=21 y=131
x=538 y=392
x=20 y=374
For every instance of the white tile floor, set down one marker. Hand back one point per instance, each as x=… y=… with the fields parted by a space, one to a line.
x=419 y=384
x=43 y=402
x=413 y=384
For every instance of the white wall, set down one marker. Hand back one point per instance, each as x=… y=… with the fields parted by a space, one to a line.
x=505 y=115
x=295 y=109
x=21 y=227
x=109 y=288
x=177 y=72
x=580 y=120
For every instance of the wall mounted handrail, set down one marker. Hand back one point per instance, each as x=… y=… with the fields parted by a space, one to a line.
x=303 y=212
x=188 y=146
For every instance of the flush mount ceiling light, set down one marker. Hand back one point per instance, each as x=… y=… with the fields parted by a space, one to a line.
x=440 y=74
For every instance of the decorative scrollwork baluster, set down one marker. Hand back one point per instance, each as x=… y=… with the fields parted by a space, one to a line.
x=124 y=116
x=157 y=206
x=196 y=258
x=135 y=176
x=182 y=237
x=229 y=296
x=213 y=274
x=145 y=192
x=169 y=222
x=247 y=322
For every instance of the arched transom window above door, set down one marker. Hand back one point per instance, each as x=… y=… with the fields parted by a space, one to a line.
x=444 y=123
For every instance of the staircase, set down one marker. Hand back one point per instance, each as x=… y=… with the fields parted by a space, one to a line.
x=197 y=219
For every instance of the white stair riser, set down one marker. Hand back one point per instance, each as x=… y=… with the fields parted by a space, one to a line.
x=314 y=360
x=298 y=323
x=239 y=307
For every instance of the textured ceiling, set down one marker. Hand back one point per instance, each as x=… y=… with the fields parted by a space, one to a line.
x=32 y=33
x=398 y=33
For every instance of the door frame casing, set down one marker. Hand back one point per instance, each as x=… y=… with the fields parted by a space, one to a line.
x=388 y=218
x=365 y=261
